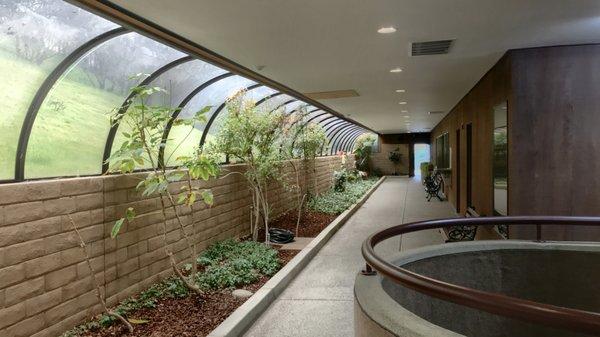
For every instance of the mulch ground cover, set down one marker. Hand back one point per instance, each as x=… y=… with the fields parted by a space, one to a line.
x=196 y=315
x=311 y=223
x=191 y=316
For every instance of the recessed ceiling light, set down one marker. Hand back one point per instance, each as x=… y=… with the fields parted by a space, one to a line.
x=402 y=103
x=386 y=30
x=396 y=70
x=407 y=116
x=400 y=90
x=404 y=111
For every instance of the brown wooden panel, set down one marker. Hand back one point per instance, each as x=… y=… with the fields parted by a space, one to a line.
x=475 y=108
x=554 y=136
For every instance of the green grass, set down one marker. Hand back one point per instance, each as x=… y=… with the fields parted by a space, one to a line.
x=69 y=133
x=334 y=202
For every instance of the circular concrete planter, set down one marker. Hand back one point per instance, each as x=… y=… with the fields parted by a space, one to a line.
x=565 y=274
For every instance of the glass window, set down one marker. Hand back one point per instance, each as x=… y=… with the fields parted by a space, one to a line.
x=500 y=160
x=293 y=106
x=180 y=81
x=255 y=94
x=322 y=118
x=71 y=128
x=35 y=36
x=331 y=125
x=259 y=93
x=442 y=151
x=181 y=141
x=275 y=102
x=336 y=136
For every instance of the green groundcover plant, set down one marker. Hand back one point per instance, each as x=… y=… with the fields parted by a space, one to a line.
x=226 y=264
x=231 y=263
x=335 y=202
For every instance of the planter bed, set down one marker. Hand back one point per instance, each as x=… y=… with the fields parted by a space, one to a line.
x=313 y=220
x=197 y=316
x=190 y=315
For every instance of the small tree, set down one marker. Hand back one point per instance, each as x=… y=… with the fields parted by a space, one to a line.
x=99 y=295
x=143 y=141
x=253 y=136
x=304 y=142
x=362 y=151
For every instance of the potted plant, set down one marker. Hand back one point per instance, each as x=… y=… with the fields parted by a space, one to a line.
x=395 y=157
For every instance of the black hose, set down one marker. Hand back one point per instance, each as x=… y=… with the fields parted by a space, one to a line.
x=280 y=236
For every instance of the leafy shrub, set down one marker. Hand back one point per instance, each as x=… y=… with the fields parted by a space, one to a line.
x=339 y=180
x=231 y=263
x=335 y=202
x=353 y=176
x=362 y=151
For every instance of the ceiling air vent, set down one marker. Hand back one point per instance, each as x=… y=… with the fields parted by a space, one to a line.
x=435 y=112
x=431 y=47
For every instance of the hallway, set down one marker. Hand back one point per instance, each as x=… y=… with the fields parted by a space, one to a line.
x=319 y=302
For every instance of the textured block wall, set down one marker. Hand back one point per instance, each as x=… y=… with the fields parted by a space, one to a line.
x=381 y=159
x=45 y=285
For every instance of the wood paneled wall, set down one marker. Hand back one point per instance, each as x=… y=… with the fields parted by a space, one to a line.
x=554 y=136
x=475 y=108
x=553 y=96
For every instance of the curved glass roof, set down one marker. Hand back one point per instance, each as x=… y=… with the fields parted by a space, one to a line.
x=65 y=69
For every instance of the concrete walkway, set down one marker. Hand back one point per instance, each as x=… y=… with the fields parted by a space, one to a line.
x=319 y=302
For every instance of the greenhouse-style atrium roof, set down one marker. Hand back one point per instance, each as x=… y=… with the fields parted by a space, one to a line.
x=61 y=87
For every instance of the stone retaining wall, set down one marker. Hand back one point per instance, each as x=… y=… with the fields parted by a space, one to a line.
x=45 y=285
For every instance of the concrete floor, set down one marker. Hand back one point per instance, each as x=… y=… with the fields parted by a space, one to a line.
x=319 y=302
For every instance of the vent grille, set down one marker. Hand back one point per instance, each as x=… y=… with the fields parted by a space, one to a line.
x=431 y=47
x=435 y=112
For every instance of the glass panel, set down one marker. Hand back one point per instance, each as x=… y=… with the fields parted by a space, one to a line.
x=442 y=152
x=338 y=136
x=293 y=106
x=259 y=93
x=181 y=80
x=330 y=126
x=500 y=165
x=181 y=141
x=35 y=36
x=275 y=102
x=254 y=94
x=70 y=132
x=319 y=119
x=343 y=138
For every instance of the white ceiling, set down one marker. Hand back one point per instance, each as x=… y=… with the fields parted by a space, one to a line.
x=323 y=45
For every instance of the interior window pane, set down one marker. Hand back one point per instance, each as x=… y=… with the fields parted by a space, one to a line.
x=35 y=36
x=69 y=134
x=181 y=141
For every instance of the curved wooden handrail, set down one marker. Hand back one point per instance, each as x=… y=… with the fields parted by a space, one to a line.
x=530 y=311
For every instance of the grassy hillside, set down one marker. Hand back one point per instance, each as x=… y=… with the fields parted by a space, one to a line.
x=70 y=131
